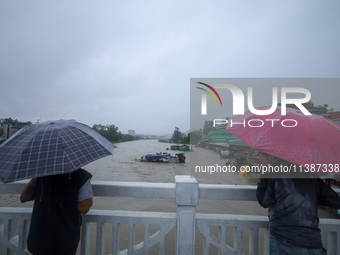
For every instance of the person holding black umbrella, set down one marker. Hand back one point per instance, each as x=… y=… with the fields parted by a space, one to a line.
x=56 y=218
x=293 y=210
x=52 y=154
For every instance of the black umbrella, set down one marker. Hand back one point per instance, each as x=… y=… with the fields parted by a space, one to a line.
x=49 y=148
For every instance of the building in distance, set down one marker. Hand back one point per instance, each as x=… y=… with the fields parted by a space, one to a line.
x=131 y=132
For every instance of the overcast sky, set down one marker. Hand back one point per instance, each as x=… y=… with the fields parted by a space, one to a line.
x=129 y=63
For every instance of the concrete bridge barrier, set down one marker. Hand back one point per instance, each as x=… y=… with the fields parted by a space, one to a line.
x=221 y=233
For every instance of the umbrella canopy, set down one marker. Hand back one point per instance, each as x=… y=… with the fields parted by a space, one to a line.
x=238 y=142
x=49 y=148
x=295 y=137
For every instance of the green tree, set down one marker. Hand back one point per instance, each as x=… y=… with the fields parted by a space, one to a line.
x=187 y=139
x=177 y=136
x=111 y=133
x=129 y=137
x=208 y=126
x=195 y=137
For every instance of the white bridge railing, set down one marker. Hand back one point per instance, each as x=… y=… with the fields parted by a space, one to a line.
x=136 y=232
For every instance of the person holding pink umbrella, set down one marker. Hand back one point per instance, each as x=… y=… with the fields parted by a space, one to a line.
x=294 y=149
x=293 y=210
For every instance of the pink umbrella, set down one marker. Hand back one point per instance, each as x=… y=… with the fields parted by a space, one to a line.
x=295 y=137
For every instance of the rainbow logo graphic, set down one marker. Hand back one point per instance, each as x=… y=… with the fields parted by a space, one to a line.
x=218 y=96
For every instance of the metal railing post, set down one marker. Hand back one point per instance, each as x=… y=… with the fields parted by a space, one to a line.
x=186 y=201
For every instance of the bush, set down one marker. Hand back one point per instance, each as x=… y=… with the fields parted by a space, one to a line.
x=164 y=140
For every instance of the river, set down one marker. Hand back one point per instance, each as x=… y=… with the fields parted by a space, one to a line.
x=125 y=165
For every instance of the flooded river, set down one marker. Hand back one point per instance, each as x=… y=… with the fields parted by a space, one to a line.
x=125 y=165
